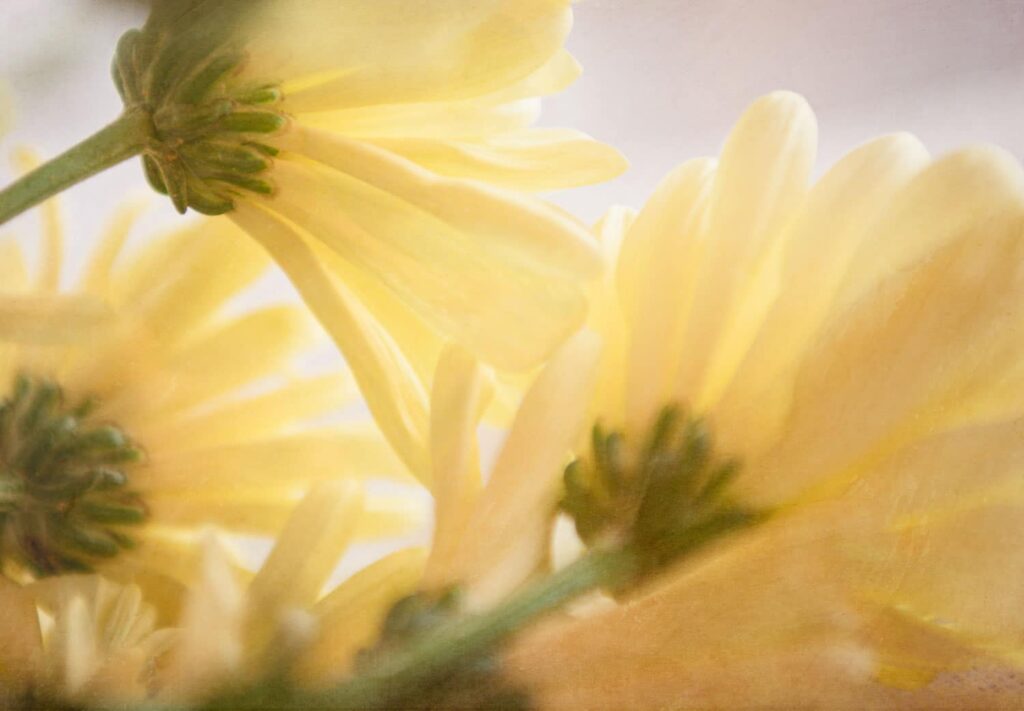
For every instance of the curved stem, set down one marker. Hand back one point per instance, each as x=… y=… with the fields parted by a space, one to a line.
x=118 y=141
x=404 y=674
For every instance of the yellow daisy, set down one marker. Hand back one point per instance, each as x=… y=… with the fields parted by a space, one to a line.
x=381 y=153
x=843 y=357
x=146 y=400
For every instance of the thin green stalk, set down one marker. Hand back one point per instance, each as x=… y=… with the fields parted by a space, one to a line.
x=428 y=660
x=118 y=141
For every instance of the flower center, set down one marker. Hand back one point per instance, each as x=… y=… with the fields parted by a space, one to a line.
x=208 y=143
x=65 y=503
x=663 y=498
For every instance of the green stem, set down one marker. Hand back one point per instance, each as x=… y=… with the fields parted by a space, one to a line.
x=118 y=141
x=429 y=659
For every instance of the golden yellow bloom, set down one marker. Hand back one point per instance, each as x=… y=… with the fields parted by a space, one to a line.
x=141 y=404
x=380 y=152
x=853 y=347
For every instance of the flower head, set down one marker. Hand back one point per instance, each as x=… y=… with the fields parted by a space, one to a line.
x=78 y=639
x=846 y=356
x=140 y=404
x=384 y=150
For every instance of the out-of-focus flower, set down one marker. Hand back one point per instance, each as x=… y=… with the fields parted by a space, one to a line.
x=140 y=404
x=488 y=539
x=381 y=153
x=78 y=639
x=849 y=354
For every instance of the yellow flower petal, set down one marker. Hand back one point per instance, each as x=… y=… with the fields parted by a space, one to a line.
x=837 y=218
x=52 y=319
x=456 y=405
x=899 y=362
x=180 y=281
x=296 y=460
x=419 y=238
x=249 y=419
x=350 y=615
x=534 y=159
x=760 y=181
x=655 y=265
x=392 y=391
x=384 y=52
x=96 y=278
x=308 y=548
x=512 y=518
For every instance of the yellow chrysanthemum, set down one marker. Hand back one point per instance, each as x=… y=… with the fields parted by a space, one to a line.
x=234 y=631
x=80 y=639
x=144 y=402
x=487 y=540
x=848 y=354
x=380 y=150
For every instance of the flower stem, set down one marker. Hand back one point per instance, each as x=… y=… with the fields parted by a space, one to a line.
x=118 y=141
x=405 y=674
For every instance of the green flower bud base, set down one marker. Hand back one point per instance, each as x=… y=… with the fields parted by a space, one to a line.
x=661 y=500
x=65 y=501
x=208 y=141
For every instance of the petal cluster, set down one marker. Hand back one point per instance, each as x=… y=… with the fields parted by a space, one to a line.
x=851 y=344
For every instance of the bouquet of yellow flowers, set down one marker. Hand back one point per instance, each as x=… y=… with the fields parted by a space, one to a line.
x=758 y=444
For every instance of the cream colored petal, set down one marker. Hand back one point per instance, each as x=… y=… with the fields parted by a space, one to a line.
x=828 y=673
x=655 y=278
x=75 y=645
x=607 y=318
x=760 y=181
x=962 y=570
x=250 y=419
x=510 y=266
x=518 y=226
x=96 y=277
x=508 y=109
x=13 y=269
x=179 y=282
x=754 y=614
x=52 y=319
x=209 y=646
x=391 y=389
x=450 y=120
x=292 y=460
x=240 y=351
x=350 y=616
x=418 y=341
x=456 y=405
x=512 y=520
x=836 y=219
x=956 y=192
x=898 y=365
x=334 y=55
x=307 y=550
x=535 y=159
x=266 y=510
